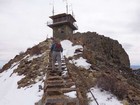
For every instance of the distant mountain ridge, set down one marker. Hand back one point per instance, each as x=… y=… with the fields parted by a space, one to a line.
x=137 y=72
x=135 y=67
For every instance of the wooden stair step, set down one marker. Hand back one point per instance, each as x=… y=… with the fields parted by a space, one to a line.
x=63 y=90
x=55 y=99
x=66 y=85
x=54 y=78
x=55 y=85
x=56 y=68
x=52 y=74
x=51 y=71
x=52 y=93
x=61 y=99
x=54 y=81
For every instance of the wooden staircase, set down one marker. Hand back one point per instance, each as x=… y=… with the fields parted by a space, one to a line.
x=59 y=89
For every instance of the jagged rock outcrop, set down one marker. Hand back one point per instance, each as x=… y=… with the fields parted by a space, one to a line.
x=111 y=66
x=101 y=50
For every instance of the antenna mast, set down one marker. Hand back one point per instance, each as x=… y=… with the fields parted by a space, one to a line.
x=52 y=3
x=53 y=8
x=66 y=6
x=71 y=10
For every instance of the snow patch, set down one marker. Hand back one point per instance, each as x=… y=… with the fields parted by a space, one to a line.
x=73 y=86
x=81 y=62
x=68 y=49
x=34 y=57
x=102 y=97
x=71 y=94
x=11 y=95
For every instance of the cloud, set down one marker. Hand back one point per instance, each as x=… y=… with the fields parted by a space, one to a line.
x=22 y=25
x=135 y=26
x=127 y=46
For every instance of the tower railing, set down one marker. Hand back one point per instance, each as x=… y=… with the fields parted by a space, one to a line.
x=63 y=21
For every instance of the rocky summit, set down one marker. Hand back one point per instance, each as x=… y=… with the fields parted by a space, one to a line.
x=109 y=69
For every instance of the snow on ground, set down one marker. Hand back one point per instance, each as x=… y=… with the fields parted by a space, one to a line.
x=30 y=58
x=68 y=49
x=10 y=95
x=81 y=62
x=71 y=94
x=34 y=57
x=103 y=98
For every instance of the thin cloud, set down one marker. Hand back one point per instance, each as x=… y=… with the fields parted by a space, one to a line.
x=136 y=24
x=127 y=46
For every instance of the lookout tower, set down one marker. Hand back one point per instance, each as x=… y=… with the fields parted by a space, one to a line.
x=63 y=25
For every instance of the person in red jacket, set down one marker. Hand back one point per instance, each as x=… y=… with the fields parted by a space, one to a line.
x=56 y=50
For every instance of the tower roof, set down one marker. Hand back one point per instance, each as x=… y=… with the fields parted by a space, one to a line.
x=61 y=15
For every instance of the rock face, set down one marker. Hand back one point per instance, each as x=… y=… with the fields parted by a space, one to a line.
x=110 y=65
x=101 y=50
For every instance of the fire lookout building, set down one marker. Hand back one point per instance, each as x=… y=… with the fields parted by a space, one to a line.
x=63 y=25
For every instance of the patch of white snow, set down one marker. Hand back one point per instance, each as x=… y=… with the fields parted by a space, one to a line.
x=68 y=49
x=81 y=62
x=103 y=98
x=71 y=94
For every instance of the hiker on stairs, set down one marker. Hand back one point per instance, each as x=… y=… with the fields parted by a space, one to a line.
x=56 y=50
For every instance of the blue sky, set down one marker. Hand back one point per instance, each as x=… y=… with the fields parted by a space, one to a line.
x=23 y=23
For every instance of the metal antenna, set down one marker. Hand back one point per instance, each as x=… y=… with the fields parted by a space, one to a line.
x=71 y=10
x=72 y=13
x=66 y=6
x=53 y=8
x=52 y=3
